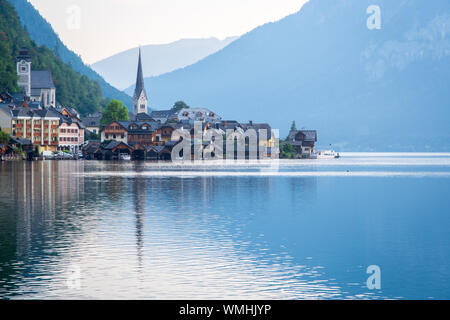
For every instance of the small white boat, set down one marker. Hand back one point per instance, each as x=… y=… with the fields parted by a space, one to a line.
x=327 y=154
x=125 y=157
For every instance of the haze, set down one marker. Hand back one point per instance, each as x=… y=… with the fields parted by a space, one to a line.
x=106 y=27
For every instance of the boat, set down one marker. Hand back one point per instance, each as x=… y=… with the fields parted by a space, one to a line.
x=327 y=154
x=125 y=156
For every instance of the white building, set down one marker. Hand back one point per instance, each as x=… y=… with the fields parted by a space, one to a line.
x=197 y=114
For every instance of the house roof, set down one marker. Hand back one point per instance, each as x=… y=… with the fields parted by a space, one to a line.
x=21 y=141
x=310 y=135
x=92 y=147
x=127 y=125
x=257 y=127
x=307 y=135
x=143 y=117
x=114 y=144
x=41 y=79
x=157 y=149
x=46 y=113
x=92 y=121
x=28 y=112
x=18 y=97
x=22 y=112
x=162 y=113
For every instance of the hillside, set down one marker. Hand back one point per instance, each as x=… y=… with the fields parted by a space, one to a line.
x=363 y=90
x=157 y=59
x=72 y=89
x=43 y=34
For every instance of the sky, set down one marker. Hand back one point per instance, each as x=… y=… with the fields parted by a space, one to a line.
x=97 y=29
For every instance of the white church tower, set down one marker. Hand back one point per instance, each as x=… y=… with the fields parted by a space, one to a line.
x=24 y=71
x=140 y=100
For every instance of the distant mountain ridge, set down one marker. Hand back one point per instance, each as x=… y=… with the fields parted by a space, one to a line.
x=43 y=34
x=363 y=90
x=157 y=59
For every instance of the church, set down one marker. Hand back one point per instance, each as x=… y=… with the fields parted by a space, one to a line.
x=140 y=99
x=38 y=86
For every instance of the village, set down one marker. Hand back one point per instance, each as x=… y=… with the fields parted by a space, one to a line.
x=34 y=126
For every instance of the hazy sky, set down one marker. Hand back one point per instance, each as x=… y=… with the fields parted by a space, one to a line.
x=96 y=29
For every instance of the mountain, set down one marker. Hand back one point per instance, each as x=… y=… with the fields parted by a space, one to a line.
x=72 y=88
x=157 y=59
x=43 y=34
x=363 y=90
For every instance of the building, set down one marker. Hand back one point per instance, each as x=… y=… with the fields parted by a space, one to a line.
x=303 y=141
x=92 y=122
x=40 y=126
x=42 y=88
x=163 y=116
x=141 y=133
x=71 y=129
x=196 y=114
x=140 y=100
x=71 y=135
x=117 y=131
x=36 y=84
x=266 y=142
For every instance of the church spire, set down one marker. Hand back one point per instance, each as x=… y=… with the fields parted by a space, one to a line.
x=140 y=77
x=140 y=96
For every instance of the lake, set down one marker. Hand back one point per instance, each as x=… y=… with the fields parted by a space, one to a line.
x=288 y=229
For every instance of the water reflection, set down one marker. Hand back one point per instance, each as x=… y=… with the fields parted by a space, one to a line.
x=142 y=236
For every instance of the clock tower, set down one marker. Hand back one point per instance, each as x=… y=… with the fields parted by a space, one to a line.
x=23 y=63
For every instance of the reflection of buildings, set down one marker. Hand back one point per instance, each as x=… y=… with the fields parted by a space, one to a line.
x=36 y=197
x=42 y=191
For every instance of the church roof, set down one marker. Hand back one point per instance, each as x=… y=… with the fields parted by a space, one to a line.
x=139 y=80
x=41 y=79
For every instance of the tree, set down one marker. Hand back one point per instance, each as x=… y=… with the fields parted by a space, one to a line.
x=288 y=151
x=4 y=137
x=293 y=126
x=179 y=105
x=114 y=111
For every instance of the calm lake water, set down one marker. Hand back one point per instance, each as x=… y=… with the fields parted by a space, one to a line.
x=282 y=230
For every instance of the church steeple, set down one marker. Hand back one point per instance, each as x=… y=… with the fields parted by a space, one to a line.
x=140 y=100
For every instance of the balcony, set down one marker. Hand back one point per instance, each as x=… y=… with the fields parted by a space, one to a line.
x=54 y=126
x=37 y=134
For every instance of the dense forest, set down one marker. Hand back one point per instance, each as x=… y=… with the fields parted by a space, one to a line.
x=72 y=89
x=43 y=34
